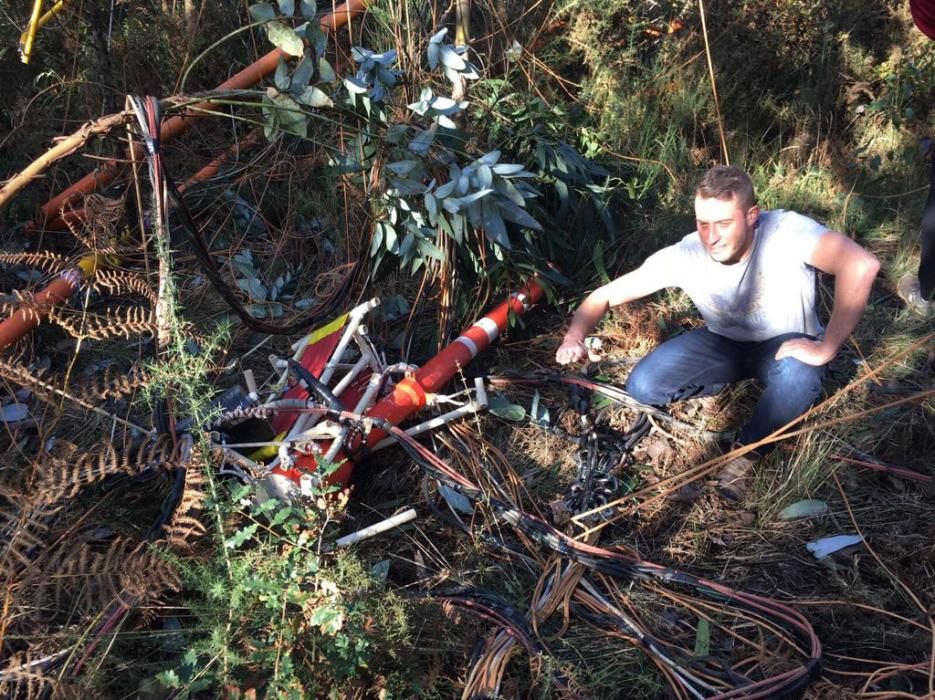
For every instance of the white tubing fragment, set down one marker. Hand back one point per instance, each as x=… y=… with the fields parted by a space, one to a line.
x=377 y=528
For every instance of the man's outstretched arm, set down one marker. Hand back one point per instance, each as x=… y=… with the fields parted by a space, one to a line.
x=854 y=270
x=632 y=286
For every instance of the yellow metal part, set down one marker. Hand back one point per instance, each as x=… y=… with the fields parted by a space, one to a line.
x=36 y=22
x=89 y=264
x=264 y=454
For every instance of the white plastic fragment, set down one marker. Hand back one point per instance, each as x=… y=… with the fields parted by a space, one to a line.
x=377 y=528
x=827 y=546
x=808 y=508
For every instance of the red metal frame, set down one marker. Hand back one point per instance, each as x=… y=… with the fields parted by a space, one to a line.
x=410 y=395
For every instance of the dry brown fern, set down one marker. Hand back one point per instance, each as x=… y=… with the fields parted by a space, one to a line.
x=112 y=383
x=24 y=531
x=86 y=579
x=96 y=228
x=49 y=262
x=27 y=305
x=147 y=576
x=20 y=374
x=67 y=470
x=23 y=678
x=119 y=282
x=186 y=525
x=126 y=321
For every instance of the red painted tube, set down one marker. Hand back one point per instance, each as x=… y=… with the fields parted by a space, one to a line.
x=410 y=394
x=67 y=283
x=173 y=127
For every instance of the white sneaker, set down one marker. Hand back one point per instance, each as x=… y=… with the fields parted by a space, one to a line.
x=910 y=291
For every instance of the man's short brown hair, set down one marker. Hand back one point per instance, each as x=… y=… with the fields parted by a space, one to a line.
x=726 y=182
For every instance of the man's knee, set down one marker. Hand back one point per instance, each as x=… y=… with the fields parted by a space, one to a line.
x=644 y=383
x=797 y=378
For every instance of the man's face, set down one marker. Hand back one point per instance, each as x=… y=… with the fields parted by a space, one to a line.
x=725 y=228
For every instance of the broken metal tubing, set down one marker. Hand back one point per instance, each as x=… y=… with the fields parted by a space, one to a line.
x=175 y=126
x=410 y=394
x=67 y=283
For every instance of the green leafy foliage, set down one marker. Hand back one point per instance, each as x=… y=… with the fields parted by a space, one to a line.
x=275 y=612
x=439 y=204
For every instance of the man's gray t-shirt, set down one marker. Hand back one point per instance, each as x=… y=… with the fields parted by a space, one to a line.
x=770 y=293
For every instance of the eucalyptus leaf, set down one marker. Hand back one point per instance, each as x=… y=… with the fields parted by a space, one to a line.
x=395 y=133
x=376 y=243
x=423 y=141
x=313 y=97
x=262 y=12
x=289 y=116
x=451 y=58
x=538 y=412
x=287 y=7
x=387 y=77
x=285 y=38
x=253 y=287
x=431 y=206
x=490 y=159
x=494 y=226
x=445 y=105
x=325 y=71
x=391 y=239
x=355 y=86
x=407 y=245
x=387 y=58
x=14 y=412
x=808 y=508
x=445 y=122
x=303 y=72
x=518 y=215
x=430 y=250
x=458 y=502
x=507 y=168
x=403 y=167
x=380 y=570
x=308 y=9
x=281 y=77
x=504 y=409
x=446 y=189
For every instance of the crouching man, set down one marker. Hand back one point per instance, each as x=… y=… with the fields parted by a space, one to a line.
x=751 y=275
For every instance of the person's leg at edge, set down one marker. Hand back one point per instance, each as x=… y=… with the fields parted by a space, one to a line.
x=927 y=260
x=697 y=363
x=916 y=289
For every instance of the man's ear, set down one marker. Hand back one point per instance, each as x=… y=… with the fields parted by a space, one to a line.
x=753 y=213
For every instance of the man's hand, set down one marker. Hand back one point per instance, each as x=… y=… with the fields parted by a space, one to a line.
x=571 y=350
x=811 y=352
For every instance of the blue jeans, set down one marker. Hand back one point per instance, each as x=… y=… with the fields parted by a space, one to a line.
x=702 y=363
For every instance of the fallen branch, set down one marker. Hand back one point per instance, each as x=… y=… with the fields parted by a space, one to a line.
x=65 y=147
